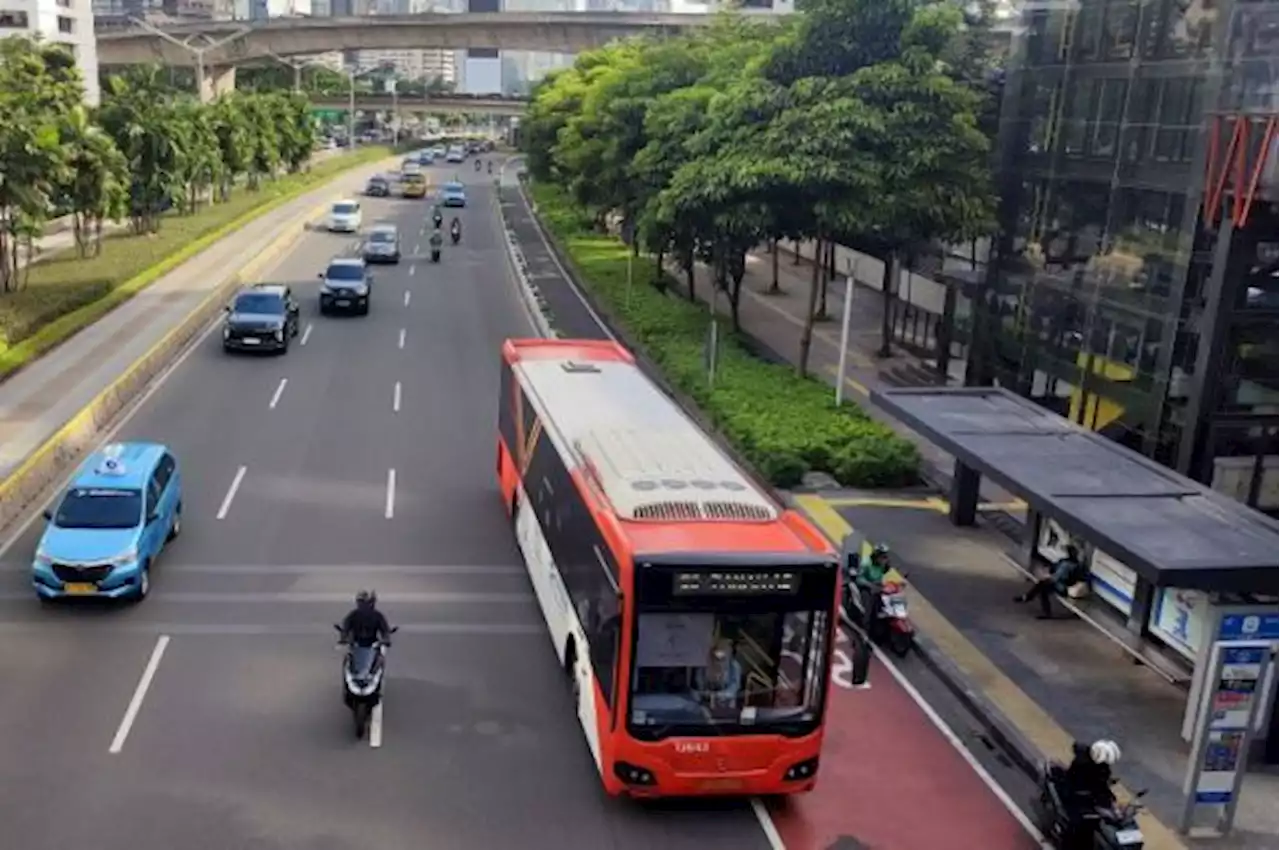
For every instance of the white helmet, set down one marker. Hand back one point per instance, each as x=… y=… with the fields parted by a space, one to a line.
x=1104 y=752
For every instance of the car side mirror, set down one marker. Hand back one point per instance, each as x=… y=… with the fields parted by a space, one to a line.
x=394 y=629
x=47 y=514
x=320 y=276
x=152 y=517
x=226 y=309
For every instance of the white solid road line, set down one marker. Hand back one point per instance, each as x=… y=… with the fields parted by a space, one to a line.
x=391 y=494
x=770 y=831
x=407 y=296
x=231 y=493
x=375 y=720
x=275 y=399
x=306 y=334
x=402 y=337
x=395 y=399
x=139 y=694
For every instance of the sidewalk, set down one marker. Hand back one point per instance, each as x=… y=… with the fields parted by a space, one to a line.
x=1054 y=681
x=38 y=400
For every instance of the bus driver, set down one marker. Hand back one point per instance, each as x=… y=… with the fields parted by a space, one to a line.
x=720 y=682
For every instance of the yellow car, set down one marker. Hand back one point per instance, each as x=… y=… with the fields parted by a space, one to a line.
x=414 y=186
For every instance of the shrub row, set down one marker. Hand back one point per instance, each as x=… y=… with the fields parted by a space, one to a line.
x=783 y=424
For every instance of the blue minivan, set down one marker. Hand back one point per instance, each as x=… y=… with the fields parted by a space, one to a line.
x=124 y=504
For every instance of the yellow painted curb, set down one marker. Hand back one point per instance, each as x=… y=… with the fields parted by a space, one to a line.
x=31 y=479
x=1030 y=719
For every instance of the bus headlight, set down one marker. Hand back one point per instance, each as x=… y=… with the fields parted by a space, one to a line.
x=632 y=775
x=802 y=770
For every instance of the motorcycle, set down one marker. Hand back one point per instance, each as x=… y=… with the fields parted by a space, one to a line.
x=437 y=220
x=1113 y=827
x=477 y=165
x=435 y=253
x=455 y=235
x=891 y=622
x=363 y=669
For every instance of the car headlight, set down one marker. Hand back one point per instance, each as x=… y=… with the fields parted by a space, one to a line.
x=43 y=559
x=363 y=289
x=279 y=334
x=226 y=331
x=326 y=288
x=128 y=556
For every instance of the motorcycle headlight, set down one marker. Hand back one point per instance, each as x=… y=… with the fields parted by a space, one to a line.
x=128 y=556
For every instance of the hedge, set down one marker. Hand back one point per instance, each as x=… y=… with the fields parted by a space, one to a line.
x=783 y=424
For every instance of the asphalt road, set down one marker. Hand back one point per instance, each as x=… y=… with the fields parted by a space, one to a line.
x=368 y=461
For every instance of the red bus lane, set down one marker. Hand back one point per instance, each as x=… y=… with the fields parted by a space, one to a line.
x=890 y=780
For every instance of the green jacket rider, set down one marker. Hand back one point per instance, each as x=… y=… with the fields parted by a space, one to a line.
x=436 y=239
x=872 y=570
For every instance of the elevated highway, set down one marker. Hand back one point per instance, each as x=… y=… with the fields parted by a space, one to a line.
x=231 y=43
x=440 y=103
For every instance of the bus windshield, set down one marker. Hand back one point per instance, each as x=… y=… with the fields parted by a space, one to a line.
x=730 y=664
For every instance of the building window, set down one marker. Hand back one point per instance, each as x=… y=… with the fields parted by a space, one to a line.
x=13 y=20
x=66 y=25
x=65 y=4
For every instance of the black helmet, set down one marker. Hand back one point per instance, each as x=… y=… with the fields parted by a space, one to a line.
x=366 y=599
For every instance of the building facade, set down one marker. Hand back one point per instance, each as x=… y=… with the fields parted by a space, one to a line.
x=67 y=22
x=1133 y=287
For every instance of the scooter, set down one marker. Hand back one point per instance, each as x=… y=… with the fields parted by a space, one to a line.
x=1110 y=828
x=435 y=253
x=363 y=669
x=477 y=165
x=456 y=236
x=891 y=623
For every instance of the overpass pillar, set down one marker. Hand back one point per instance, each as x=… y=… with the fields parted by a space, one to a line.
x=214 y=81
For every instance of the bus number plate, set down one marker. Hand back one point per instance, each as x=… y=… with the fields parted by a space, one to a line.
x=722 y=785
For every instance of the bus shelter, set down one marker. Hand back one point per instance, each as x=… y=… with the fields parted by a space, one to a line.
x=1182 y=565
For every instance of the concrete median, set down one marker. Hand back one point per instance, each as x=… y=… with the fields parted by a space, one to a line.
x=31 y=481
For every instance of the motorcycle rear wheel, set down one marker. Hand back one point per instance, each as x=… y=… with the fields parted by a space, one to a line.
x=900 y=643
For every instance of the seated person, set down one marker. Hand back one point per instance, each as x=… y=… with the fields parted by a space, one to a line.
x=719 y=684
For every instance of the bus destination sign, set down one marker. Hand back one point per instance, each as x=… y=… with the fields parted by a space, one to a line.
x=736 y=583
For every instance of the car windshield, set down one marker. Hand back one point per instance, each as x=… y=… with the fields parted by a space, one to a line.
x=731 y=661
x=259 y=302
x=453 y=188
x=382 y=237
x=344 y=209
x=345 y=272
x=85 y=507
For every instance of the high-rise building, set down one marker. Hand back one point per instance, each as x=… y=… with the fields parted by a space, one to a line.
x=1134 y=285
x=67 y=22
x=117 y=13
x=261 y=10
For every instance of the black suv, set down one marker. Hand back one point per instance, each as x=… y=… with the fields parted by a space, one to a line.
x=378 y=187
x=261 y=318
x=346 y=286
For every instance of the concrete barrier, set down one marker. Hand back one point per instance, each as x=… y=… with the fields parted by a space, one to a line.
x=48 y=465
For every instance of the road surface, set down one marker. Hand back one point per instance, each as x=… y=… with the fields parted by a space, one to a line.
x=210 y=715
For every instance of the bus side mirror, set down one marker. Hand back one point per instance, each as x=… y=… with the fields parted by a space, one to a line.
x=851 y=551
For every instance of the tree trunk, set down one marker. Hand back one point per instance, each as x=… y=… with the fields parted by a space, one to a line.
x=820 y=261
x=97 y=235
x=659 y=272
x=691 y=279
x=795 y=257
x=79 y=229
x=887 y=285
x=737 y=271
x=774 y=287
x=806 y=336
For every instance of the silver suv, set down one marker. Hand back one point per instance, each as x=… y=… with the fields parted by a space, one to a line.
x=382 y=244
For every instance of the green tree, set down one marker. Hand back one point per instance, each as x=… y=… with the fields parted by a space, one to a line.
x=198 y=164
x=235 y=141
x=138 y=113
x=96 y=180
x=264 y=139
x=38 y=84
x=295 y=128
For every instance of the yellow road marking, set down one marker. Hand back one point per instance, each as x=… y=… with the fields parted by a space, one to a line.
x=1032 y=720
x=931 y=503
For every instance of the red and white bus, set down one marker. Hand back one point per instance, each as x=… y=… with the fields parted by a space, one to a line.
x=694 y=616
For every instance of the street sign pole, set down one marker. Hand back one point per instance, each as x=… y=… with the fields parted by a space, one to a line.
x=851 y=273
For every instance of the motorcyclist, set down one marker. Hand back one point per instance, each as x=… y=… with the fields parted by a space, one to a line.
x=490 y=166
x=477 y=165
x=455 y=228
x=1085 y=786
x=365 y=625
x=437 y=217
x=870 y=578
x=437 y=241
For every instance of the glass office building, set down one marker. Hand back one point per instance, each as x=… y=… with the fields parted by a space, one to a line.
x=1133 y=287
